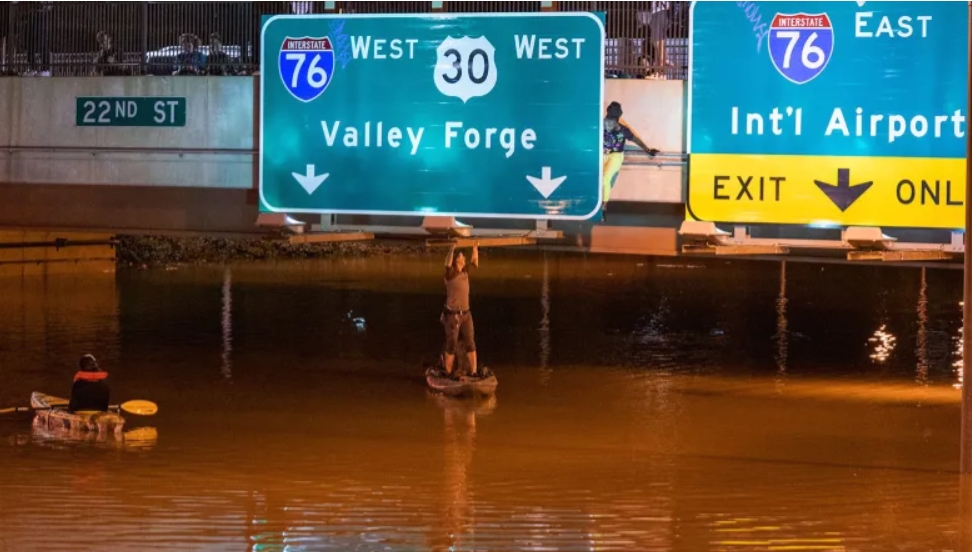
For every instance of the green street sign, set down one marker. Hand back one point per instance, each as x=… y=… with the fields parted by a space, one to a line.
x=157 y=111
x=486 y=115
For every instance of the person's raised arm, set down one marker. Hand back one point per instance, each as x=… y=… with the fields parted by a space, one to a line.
x=449 y=268
x=475 y=256
x=449 y=255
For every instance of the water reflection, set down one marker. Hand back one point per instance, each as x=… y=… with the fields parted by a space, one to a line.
x=772 y=533
x=965 y=513
x=455 y=529
x=132 y=440
x=921 y=352
x=781 y=336
x=958 y=365
x=545 y=317
x=883 y=344
x=47 y=322
x=227 y=323
x=136 y=439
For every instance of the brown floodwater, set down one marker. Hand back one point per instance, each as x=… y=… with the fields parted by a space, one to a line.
x=643 y=404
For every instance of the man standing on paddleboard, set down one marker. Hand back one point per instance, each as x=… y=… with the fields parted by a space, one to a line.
x=456 y=318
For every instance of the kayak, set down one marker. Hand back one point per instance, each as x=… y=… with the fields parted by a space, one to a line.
x=484 y=384
x=51 y=413
x=138 y=439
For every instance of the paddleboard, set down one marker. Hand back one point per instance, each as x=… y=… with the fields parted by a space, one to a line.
x=484 y=384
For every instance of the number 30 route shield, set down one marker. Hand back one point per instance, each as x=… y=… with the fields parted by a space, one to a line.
x=800 y=45
x=467 y=57
x=306 y=66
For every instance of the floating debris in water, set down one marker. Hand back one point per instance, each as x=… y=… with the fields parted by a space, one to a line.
x=358 y=321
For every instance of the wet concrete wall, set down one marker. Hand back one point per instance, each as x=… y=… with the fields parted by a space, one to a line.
x=43 y=143
x=56 y=173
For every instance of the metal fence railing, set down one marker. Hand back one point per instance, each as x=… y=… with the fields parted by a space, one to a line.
x=647 y=39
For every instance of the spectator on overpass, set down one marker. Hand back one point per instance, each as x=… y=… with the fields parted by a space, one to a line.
x=38 y=39
x=616 y=135
x=658 y=22
x=109 y=57
x=190 y=59
x=217 y=62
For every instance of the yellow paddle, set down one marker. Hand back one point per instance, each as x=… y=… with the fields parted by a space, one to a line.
x=137 y=407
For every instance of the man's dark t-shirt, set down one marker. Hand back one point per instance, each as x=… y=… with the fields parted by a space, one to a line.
x=457 y=288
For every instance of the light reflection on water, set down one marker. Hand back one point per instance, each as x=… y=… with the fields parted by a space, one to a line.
x=782 y=333
x=884 y=344
x=545 y=317
x=921 y=346
x=641 y=407
x=227 y=323
x=959 y=363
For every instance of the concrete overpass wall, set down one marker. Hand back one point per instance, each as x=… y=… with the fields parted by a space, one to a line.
x=195 y=177
x=39 y=117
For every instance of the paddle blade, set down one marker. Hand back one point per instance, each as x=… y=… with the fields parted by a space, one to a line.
x=142 y=434
x=140 y=408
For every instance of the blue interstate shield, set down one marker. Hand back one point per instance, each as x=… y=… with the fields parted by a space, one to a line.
x=306 y=66
x=800 y=45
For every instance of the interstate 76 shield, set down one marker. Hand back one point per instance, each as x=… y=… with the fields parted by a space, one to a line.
x=306 y=66
x=800 y=45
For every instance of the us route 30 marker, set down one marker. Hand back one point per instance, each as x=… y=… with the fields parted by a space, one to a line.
x=486 y=115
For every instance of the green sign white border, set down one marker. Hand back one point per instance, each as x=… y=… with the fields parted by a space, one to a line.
x=433 y=16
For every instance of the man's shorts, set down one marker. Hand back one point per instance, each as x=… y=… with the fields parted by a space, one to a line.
x=458 y=327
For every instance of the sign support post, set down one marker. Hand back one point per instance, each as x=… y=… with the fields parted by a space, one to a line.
x=966 y=439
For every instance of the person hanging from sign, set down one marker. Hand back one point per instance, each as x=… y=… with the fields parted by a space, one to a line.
x=456 y=318
x=616 y=134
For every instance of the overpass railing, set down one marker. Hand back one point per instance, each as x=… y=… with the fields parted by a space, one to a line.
x=647 y=39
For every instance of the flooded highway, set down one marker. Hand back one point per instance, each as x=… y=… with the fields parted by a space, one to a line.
x=643 y=404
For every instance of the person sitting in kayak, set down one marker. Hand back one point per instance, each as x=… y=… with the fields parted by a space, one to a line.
x=456 y=318
x=90 y=390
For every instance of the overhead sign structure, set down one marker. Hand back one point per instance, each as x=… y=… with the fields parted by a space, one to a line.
x=487 y=115
x=833 y=113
